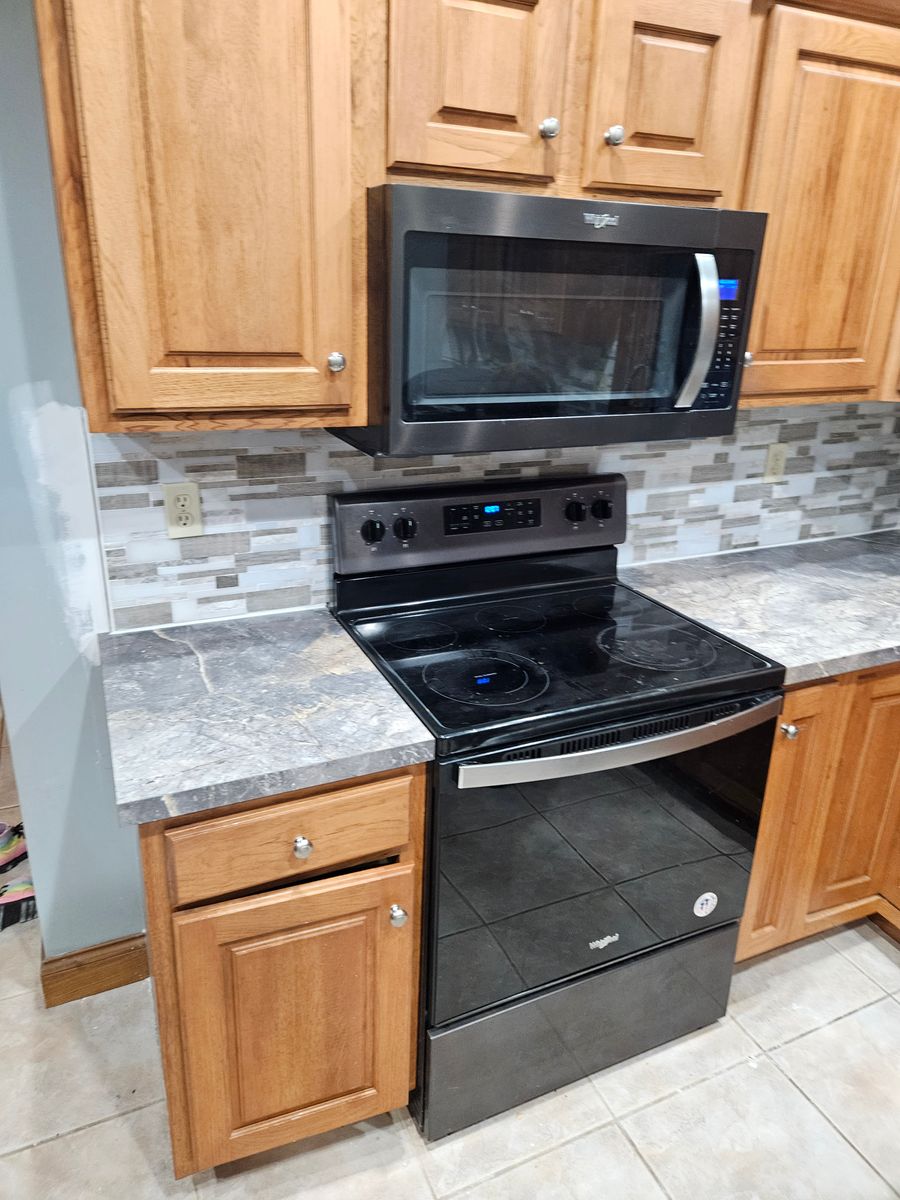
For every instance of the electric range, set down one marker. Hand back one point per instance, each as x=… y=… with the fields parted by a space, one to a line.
x=601 y=763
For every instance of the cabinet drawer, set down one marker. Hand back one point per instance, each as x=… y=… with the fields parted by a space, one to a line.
x=234 y=853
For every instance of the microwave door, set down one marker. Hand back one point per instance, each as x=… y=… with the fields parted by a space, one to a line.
x=708 y=278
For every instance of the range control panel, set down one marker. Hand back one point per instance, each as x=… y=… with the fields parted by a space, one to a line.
x=385 y=531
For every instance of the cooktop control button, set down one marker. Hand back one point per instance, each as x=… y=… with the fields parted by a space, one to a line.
x=372 y=531
x=405 y=528
x=575 y=511
x=601 y=509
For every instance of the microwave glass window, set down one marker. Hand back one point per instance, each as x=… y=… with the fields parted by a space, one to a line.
x=500 y=327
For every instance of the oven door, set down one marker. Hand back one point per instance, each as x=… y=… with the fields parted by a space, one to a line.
x=516 y=321
x=555 y=860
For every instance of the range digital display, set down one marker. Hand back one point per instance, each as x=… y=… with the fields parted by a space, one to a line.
x=491 y=508
x=728 y=289
x=524 y=513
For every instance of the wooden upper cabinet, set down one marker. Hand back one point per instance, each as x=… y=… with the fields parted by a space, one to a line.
x=856 y=850
x=471 y=81
x=676 y=75
x=825 y=166
x=215 y=143
x=295 y=1010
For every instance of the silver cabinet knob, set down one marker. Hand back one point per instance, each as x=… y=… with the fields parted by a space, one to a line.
x=336 y=361
x=399 y=916
x=615 y=135
x=303 y=847
x=790 y=731
x=748 y=358
x=549 y=127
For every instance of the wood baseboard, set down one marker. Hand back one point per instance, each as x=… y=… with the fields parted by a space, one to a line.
x=94 y=969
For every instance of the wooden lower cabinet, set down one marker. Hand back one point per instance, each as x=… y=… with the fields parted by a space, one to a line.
x=290 y=1011
x=829 y=840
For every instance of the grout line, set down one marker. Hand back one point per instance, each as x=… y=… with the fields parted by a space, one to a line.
x=625 y=1134
x=59 y=1137
x=825 y=1024
x=844 y=1137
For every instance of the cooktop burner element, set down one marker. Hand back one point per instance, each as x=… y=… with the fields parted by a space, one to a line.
x=422 y=637
x=511 y=619
x=483 y=678
x=659 y=648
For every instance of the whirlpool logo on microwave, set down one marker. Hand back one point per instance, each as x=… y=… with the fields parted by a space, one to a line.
x=600 y=220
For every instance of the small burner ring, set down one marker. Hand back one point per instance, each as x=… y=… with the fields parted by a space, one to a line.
x=421 y=637
x=510 y=619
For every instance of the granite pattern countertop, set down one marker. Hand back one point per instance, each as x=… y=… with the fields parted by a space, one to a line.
x=210 y=714
x=821 y=608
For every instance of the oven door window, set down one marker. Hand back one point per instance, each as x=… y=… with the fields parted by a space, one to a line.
x=539 y=882
x=497 y=328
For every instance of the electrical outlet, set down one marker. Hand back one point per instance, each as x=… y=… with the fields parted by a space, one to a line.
x=183 y=515
x=776 y=460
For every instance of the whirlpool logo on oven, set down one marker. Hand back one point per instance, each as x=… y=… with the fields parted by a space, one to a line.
x=600 y=220
x=602 y=943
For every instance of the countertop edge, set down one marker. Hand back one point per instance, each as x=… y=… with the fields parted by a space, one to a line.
x=157 y=808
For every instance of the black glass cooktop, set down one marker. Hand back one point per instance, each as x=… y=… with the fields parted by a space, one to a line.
x=601 y=650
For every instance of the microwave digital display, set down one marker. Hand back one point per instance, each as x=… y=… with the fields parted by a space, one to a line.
x=728 y=289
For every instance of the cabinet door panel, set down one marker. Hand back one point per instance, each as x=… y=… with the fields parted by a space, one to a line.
x=856 y=849
x=676 y=74
x=824 y=166
x=798 y=785
x=216 y=139
x=296 y=1009
x=471 y=81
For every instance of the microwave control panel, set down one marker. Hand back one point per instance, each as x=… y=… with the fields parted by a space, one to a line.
x=718 y=386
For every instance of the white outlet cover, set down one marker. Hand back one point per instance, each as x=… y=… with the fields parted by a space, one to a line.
x=184 y=517
x=776 y=460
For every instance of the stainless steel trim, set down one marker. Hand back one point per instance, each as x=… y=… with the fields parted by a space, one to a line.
x=708 y=275
x=562 y=766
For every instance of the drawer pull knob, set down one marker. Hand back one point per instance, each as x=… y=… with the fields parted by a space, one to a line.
x=303 y=847
x=790 y=731
x=399 y=916
x=549 y=128
x=615 y=135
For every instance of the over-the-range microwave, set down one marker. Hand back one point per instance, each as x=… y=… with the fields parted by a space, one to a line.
x=503 y=321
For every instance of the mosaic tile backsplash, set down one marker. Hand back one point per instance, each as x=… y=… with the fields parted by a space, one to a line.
x=264 y=494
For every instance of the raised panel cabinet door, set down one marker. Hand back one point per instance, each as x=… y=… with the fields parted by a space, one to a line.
x=471 y=82
x=803 y=756
x=858 y=837
x=675 y=75
x=216 y=144
x=824 y=165
x=295 y=1010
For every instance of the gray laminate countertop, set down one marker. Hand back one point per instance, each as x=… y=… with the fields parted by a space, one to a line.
x=218 y=712
x=821 y=608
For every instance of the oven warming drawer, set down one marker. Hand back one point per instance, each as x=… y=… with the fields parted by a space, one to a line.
x=491 y=1063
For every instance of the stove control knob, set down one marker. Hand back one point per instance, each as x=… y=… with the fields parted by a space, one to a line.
x=575 y=511
x=406 y=528
x=602 y=509
x=372 y=531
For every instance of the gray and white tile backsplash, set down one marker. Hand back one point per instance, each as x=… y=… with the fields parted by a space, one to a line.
x=264 y=497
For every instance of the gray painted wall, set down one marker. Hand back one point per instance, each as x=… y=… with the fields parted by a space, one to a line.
x=52 y=600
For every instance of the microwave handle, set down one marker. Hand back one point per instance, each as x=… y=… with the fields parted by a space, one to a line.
x=708 y=276
x=562 y=766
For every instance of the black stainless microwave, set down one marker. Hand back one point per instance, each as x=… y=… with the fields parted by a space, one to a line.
x=503 y=321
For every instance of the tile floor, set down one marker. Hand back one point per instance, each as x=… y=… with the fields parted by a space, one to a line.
x=795 y=1095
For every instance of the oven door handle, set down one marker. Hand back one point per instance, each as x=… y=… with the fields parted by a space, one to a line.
x=607 y=758
x=708 y=276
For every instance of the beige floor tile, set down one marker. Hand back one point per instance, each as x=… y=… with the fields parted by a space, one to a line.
x=785 y=994
x=475 y=1154
x=370 y=1160
x=749 y=1134
x=599 y=1166
x=667 y=1069
x=20 y=959
x=127 y=1156
x=851 y=1071
x=872 y=951
x=65 y=1067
